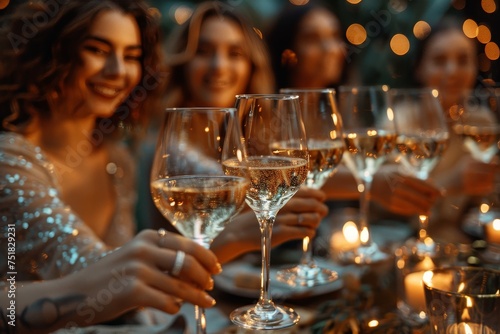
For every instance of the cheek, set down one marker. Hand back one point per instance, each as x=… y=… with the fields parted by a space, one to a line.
x=243 y=73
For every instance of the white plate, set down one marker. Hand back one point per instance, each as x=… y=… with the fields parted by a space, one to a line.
x=246 y=270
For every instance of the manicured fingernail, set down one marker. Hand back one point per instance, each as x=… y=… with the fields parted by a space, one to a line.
x=219 y=268
x=209 y=299
x=210 y=284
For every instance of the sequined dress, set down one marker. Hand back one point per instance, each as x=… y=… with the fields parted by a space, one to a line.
x=50 y=239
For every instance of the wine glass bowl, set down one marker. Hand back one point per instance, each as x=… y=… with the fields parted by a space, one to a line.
x=189 y=185
x=370 y=136
x=325 y=143
x=423 y=137
x=477 y=123
x=276 y=161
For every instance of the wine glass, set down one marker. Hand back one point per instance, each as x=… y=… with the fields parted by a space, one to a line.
x=188 y=182
x=370 y=136
x=478 y=124
x=423 y=137
x=277 y=159
x=326 y=147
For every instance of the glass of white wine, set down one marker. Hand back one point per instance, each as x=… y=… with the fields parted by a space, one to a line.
x=423 y=137
x=189 y=185
x=478 y=124
x=326 y=146
x=277 y=160
x=370 y=137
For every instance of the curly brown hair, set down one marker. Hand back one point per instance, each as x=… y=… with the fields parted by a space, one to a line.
x=39 y=49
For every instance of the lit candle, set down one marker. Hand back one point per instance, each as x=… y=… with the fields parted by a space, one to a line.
x=414 y=290
x=492 y=231
x=469 y=328
x=414 y=286
x=347 y=239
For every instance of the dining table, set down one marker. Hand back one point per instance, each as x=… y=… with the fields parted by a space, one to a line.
x=363 y=299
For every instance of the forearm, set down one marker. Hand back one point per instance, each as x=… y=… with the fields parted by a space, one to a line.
x=43 y=307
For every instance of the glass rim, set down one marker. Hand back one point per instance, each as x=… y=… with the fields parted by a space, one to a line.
x=277 y=96
x=461 y=294
x=348 y=88
x=232 y=109
x=286 y=90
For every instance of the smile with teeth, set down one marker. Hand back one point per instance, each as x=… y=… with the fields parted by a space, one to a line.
x=106 y=91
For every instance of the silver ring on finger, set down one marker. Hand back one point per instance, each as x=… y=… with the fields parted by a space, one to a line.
x=300 y=219
x=178 y=263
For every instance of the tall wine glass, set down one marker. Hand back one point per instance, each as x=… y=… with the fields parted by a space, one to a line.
x=326 y=147
x=423 y=137
x=478 y=124
x=188 y=182
x=277 y=161
x=370 y=136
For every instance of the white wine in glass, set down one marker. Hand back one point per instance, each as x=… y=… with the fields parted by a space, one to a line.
x=423 y=137
x=370 y=137
x=274 y=179
x=326 y=146
x=189 y=185
x=478 y=124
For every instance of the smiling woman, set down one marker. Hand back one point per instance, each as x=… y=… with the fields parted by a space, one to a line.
x=73 y=77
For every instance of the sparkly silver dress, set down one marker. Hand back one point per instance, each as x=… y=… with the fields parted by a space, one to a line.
x=50 y=239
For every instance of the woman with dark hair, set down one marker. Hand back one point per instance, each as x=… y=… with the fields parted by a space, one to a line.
x=307 y=47
x=74 y=77
x=308 y=51
x=447 y=60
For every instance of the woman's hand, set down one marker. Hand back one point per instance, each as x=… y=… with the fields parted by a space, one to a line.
x=135 y=275
x=297 y=219
x=403 y=194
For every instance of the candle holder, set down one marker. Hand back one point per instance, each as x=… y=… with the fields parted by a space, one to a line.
x=411 y=264
x=463 y=300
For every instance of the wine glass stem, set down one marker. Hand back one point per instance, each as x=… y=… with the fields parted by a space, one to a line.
x=266 y=227
x=307 y=256
x=364 y=205
x=201 y=323
x=199 y=312
x=423 y=225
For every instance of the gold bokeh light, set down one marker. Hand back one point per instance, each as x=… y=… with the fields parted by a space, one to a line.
x=299 y=2
x=470 y=28
x=488 y=6
x=483 y=34
x=492 y=51
x=421 y=29
x=182 y=14
x=353 y=2
x=400 y=44
x=4 y=4
x=356 y=34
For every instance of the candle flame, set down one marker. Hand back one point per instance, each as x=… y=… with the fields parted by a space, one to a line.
x=364 y=236
x=496 y=224
x=350 y=232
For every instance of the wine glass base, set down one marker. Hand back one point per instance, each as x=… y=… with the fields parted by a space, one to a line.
x=364 y=254
x=250 y=317
x=304 y=275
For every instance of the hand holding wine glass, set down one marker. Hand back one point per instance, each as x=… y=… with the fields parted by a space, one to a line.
x=189 y=185
x=370 y=136
x=326 y=147
x=422 y=139
x=270 y=122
